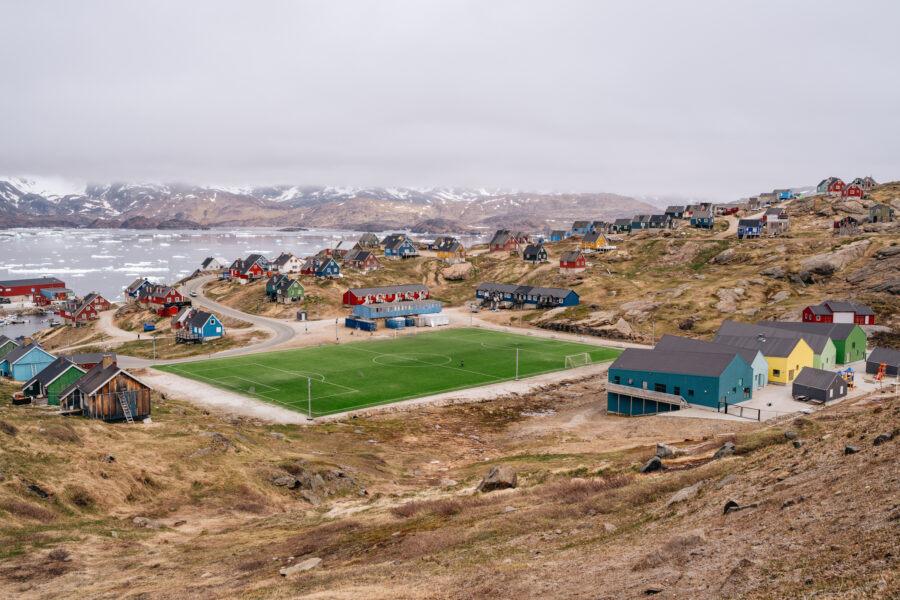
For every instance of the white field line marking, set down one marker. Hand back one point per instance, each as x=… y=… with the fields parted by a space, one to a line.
x=437 y=366
x=304 y=375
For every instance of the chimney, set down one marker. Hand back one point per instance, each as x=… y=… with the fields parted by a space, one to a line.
x=107 y=360
x=27 y=341
x=761 y=337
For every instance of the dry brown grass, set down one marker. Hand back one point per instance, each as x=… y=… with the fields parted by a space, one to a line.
x=8 y=428
x=673 y=551
x=439 y=508
x=28 y=511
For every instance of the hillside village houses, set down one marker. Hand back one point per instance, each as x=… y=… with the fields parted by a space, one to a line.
x=398 y=245
x=506 y=240
x=535 y=253
x=211 y=264
x=572 y=262
x=368 y=241
x=450 y=250
x=363 y=261
x=245 y=270
x=286 y=263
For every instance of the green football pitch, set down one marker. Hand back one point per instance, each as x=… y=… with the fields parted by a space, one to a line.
x=357 y=375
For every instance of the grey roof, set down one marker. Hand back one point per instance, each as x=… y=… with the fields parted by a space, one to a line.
x=703 y=213
x=525 y=290
x=769 y=346
x=558 y=233
x=750 y=223
x=622 y=222
x=703 y=364
x=31 y=281
x=49 y=373
x=816 y=341
x=198 y=318
x=677 y=343
x=286 y=284
x=20 y=351
x=885 y=355
x=835 y=331
x=659 y=218
x=4 y=340
x=282 y=259
x=448 y=244
x=675 y=208
x=388 y=289
x=860 y=309
x=571 y=256
x=357 y=256
x=580 y=224
x=592 y=237
x=774 y=210
x=91 y=357
x=501 y=237
x=206 y=261
x=394 y=240
x=819 y=379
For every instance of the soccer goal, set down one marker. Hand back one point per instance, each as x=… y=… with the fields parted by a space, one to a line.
x=578 y=360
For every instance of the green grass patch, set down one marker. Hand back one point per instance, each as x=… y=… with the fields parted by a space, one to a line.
x=361 y=374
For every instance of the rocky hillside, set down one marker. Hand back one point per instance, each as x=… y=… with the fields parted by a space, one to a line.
x=142 y=206
x=204 y=504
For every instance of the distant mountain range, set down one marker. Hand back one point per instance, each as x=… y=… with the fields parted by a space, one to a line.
x=28 y=202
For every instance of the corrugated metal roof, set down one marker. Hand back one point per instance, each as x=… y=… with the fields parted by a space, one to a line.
x=732 y=328
x=703 y=364
x=835 y=331
x=388 y=289
x=32 y=281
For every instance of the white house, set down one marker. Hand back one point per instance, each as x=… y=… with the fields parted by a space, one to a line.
x=287 y=263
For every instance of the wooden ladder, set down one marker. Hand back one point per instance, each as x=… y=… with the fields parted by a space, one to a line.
x=126 y=410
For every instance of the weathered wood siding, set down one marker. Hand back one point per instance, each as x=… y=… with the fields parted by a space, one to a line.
x=104 y=404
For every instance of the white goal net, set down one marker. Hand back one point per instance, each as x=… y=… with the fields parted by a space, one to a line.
x=578 y=360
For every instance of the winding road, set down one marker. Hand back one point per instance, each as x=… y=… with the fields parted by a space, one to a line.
x=281 y=332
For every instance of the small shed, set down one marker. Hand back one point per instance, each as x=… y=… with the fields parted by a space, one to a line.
x=819 y=384
x=56 y=377
x=881 y=213
x=302 y=315
x=887 y=356
x=108 y=393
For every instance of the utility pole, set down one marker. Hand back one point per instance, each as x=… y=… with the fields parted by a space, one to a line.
x=336 y=341
x=309 y=398
x=154 y=347
x=652 y=332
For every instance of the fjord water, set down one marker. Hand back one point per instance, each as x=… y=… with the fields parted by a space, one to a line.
x=107 y=260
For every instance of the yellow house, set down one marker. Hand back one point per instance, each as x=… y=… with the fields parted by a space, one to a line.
x=451 y=250
x=786 y=356
x=595 y=241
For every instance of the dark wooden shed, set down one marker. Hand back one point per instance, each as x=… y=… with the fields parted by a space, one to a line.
x=818 y=384
x=108 y=393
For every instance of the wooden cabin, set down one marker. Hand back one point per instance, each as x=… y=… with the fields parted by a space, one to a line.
x=108 y=393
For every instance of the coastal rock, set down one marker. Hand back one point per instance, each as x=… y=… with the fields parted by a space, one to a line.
x=458 y=272
x=498 y=478
x=832 y=262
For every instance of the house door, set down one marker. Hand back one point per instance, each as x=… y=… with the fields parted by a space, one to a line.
x=791 y=375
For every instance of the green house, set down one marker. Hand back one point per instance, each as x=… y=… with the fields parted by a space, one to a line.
x=824 y=350
x=849 y=339
x=273 y=283
x=288 y=290
x=6 y=346
x=52 y=380
x=881 y=213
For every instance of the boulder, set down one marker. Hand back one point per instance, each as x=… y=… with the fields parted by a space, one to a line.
x=728 y=299
x=887 y=252
x=306 y=565
x=850 y=207
x=799 y=443
x=145 y=522
x=686 y=324
x=727 y=449
x=498 y=478
x=883 y=438
x=654 y=464
x=685 y=494
x=776 y=272
x=287 y=481
x=458 y=272
x=831 y=262
x=790 y=434
x=725 y=257
x=850 y=448
x=665 y=451
x=779 y=296
x=621 y=329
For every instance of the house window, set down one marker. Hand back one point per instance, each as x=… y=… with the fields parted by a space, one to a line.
x=676 y=390
x=691 y=393
x=630 y=381
x=818 y=318
x=659 y=387
x=831 y=393
x=740 y=382
x=616 y=379
x=776 y=373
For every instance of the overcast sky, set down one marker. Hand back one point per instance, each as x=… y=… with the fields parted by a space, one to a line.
x=716 y=99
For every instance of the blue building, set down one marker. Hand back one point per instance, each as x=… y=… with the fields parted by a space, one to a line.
x=749 y=228
x=757 y=361
x=328 y=268
x=702 y=219
x=25 y=362
x=397 y=309
x=521 y=295
x=785 y=194
x=133 y=291
x=650 y=381
x=580 y=227
x=399 y=245
x=557 y=235
x=640 y=222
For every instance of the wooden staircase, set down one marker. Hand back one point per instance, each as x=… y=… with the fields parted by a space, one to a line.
x=126 y=410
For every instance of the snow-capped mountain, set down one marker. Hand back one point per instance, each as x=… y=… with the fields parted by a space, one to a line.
x=31 y=202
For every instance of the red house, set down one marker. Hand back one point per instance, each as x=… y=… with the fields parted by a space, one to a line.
x=253 y=267
x=853 y=190
x=363 y=260
x=391 y=293
x=839 y=312
x=97 y=301
x=505 y=240
x=75 y=313
x=572 y=262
